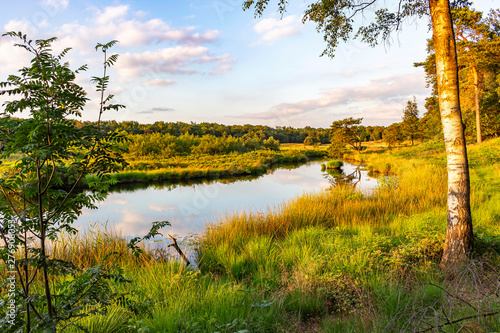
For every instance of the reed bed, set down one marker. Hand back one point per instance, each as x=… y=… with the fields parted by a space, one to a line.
x=90 y=248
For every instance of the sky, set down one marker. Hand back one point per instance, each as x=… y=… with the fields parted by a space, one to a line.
x=210 y=61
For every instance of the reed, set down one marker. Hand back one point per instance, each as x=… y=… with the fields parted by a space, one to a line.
x=90 y=248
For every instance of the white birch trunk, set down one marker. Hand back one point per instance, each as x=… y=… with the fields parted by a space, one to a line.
x=459 y=236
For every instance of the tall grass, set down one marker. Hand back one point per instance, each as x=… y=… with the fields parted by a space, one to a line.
x=90 y=248
x=328 y=261
x=411 y=193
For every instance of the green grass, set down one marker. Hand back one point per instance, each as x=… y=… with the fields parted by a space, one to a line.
x=335 y=164
x=210 y=166
x=326 y=261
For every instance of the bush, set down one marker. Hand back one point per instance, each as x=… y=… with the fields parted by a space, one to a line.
x=308 y=141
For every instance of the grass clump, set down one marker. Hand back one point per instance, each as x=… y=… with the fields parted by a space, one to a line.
x=335 y=164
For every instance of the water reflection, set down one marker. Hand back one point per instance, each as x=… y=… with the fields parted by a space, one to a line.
x=188 y=206
x=170 y=185
x=337 y=177
x=351 y=175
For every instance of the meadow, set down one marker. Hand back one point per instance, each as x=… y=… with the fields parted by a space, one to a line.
x=323 y=262
x=192 y=158
x=211 y=166
x=330 y=261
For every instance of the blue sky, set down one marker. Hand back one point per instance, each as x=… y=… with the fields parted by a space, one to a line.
x=210 y=61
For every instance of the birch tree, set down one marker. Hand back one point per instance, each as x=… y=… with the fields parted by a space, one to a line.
x=336 y=20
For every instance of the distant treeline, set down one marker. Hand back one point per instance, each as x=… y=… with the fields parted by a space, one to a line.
x=284 y=134
x=167 y=145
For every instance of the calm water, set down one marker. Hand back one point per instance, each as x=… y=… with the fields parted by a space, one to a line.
x=188 y=207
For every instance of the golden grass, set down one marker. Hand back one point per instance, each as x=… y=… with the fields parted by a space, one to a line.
x=416 y=190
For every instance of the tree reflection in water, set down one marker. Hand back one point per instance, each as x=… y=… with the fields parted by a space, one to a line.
x=337 y=177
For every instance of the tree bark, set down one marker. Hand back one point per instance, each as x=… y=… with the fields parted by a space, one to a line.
x=459 y=236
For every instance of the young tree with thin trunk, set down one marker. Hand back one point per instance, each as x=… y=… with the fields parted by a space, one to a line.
x=470 y=31
x=336 y=20
x=410 y=120
x=50 y=155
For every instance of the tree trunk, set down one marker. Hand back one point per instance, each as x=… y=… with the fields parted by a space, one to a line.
x=43 y=238
x=459 y=237
x=476 y=105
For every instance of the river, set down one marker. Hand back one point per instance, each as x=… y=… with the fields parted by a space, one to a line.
x=189 y=206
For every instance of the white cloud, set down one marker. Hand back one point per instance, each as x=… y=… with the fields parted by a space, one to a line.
x=382 y=98
x=222 y=69
x=169 y=60
x=56 y=3
x=273 y=29
x=132 y=32
x=13 y=57
x=114 y=23
x=110 y=14
x=174 y=60
x=158 y=82
x=20 y=25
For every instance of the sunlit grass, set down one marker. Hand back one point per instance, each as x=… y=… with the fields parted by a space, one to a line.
x=209 y=166
x=331 y=261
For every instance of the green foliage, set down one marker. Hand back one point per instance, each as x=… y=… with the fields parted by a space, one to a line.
x=336 y=164
x=208 y=166
x=49 y=156
x=308 y=141
x=410 y=125
x=347 y=132
x=157 y=145
x=337 y=149
x=393 y=134
x=335 y=19
x=478 y=51
x=283 y=134
x=271 y=144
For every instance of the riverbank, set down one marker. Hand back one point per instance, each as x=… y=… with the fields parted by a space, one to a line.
x=210 y=166
x=326 y=261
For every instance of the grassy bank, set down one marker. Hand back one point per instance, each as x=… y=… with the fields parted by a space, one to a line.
x=334 y=261
x=197 y=166
x=211 y=166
